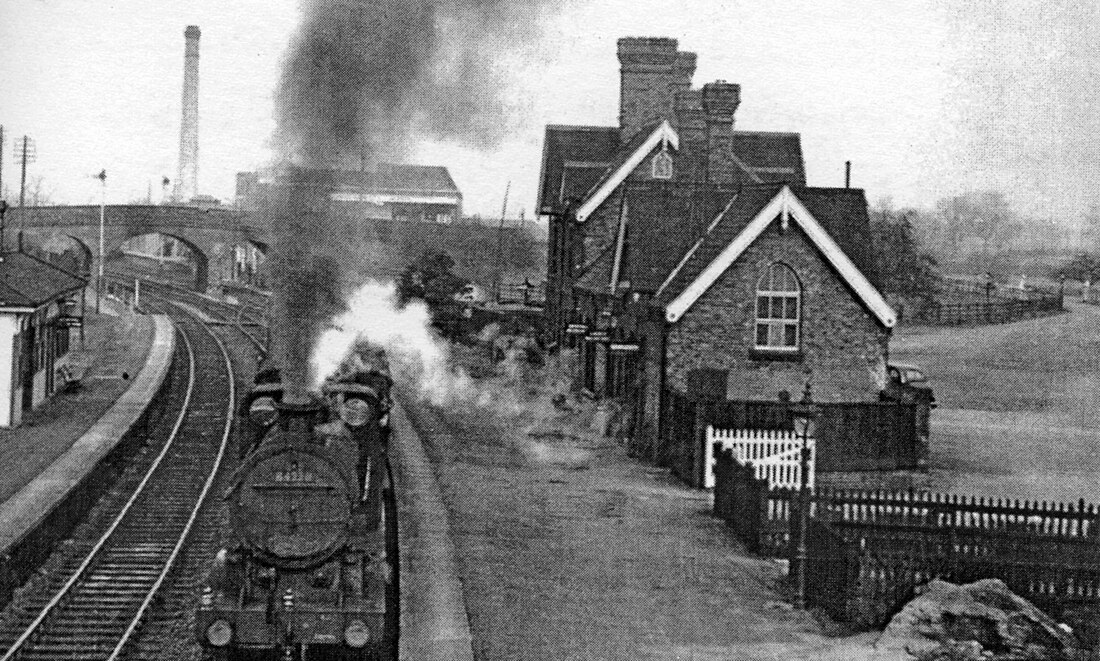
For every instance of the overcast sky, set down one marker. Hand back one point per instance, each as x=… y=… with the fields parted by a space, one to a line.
x=925 y=98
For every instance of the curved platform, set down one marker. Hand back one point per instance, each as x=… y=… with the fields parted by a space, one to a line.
x=29 y=507
x=434 y=622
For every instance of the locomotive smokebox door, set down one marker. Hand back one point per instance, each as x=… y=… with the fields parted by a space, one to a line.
x=293 y=504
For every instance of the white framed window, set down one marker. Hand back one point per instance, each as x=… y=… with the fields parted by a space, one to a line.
x=778 y=309
x=662 y=165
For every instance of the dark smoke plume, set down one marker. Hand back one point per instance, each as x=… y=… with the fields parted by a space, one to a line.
x=362 y=79
x=307 y=276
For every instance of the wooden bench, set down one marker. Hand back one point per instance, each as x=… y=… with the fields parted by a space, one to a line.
x=70 y=376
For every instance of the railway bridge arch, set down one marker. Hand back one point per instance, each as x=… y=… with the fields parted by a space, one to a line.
x=210 y=233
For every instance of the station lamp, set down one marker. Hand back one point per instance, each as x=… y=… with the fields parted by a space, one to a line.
x=803 y=413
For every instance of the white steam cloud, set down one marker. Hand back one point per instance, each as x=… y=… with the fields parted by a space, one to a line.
x=414 y=350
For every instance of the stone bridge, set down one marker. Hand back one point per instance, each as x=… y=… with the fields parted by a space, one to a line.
x=210 y=233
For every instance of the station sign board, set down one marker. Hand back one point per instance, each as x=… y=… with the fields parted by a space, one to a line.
x=624 y=347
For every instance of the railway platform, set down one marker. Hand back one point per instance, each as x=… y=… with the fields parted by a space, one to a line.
x=434 y=622
x=60 y=443
x=569 y=549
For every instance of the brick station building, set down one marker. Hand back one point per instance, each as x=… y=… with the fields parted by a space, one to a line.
x=688 y=255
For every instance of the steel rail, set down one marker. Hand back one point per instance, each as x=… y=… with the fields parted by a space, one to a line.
x=170 y=563
x=181 y=538
x=238 y=309
x=91 y=556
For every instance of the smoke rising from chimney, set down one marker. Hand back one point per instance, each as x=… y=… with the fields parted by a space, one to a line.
x=372 y=75
x=361 y=81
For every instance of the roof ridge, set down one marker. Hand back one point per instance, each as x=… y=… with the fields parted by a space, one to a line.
x=852 y=189
x=584 y=127
x=780 y=133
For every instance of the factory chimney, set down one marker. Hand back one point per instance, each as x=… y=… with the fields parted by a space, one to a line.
x=187 y=182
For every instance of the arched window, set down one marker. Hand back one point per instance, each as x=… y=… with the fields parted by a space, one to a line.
x=778 y=308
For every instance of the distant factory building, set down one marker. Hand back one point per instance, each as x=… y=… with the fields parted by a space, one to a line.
x=37 y=305
x=411 y=193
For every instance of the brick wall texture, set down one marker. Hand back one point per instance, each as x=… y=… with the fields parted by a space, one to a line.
x=844 y=349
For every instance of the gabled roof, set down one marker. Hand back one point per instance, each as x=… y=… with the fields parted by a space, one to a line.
x=28 y=282
x=643 y=141
x=573 y=160
x=843 y=211
x=578 y=162
x=766 y=157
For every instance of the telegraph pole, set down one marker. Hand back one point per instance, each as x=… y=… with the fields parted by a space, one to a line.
x=102 y=176
x=1 y=160
x=500 y=245
x=25 y=152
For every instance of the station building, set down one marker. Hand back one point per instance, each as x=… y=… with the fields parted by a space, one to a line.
x=688 y=256
x=39 y=307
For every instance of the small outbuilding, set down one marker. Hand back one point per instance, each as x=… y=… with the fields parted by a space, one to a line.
x=37 y=305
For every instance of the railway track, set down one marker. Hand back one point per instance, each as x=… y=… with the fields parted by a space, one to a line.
x=244 y=314
x=110 y=589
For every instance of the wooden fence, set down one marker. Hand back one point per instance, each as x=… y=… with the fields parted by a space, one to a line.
x=849 y=436
x=994 y=311
x=774 y=455
x=869 y=550
x=525 y=294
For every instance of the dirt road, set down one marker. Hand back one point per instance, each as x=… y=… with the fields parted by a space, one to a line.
x=1019 y=405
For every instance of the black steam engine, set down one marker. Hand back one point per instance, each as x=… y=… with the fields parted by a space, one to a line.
x=308 y=567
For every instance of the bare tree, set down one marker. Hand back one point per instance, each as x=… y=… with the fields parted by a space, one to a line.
x=37 y=192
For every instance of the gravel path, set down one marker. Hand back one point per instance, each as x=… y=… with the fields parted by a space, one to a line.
x=571 y=550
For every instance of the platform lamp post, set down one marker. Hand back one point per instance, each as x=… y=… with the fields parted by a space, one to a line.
x=102 y=176
x=804 y=413
x=3 y=210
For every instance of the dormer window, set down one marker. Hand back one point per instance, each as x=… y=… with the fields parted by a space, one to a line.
x=662 y=165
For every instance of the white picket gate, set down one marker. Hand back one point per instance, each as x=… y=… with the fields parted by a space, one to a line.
x=773 y=454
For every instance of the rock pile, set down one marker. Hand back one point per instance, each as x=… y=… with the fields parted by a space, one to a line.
x=980 y=621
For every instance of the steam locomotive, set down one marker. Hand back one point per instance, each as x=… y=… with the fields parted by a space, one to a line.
x=308 y=567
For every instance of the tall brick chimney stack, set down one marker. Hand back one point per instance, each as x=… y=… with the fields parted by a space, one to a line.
x=720 y=101
x=691 y=124
x=187 y=181
x=652 y=71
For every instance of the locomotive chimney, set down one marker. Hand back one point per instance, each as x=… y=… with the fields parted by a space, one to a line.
x=187 y=182
x=299 y=416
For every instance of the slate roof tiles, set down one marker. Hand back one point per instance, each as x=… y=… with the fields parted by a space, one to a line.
x=27 y=281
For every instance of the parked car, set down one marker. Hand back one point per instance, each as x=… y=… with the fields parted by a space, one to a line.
x=908 y=384
x=471 y=293
x=907 y=375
